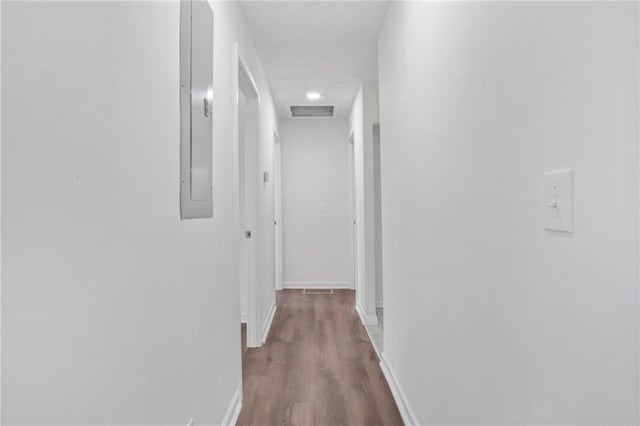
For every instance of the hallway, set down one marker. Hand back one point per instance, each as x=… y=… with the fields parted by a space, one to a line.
x=460 y=178
x=317 y=367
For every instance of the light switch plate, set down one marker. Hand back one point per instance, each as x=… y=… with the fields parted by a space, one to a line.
x=558 y=200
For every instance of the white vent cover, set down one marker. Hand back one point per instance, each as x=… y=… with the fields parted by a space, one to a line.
x=312 y=111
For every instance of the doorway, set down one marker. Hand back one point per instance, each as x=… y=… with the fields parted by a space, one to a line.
x=277 y=210
x=352 y=203
x=376 y=329
x=377 y=207
x=246 y=173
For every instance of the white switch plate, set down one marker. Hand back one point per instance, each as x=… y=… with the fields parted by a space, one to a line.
x=558 y=200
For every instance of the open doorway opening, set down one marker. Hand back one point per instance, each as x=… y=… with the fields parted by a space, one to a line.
x=377 y=207
x=246 y=174
x=352 y=202
x=277 y=210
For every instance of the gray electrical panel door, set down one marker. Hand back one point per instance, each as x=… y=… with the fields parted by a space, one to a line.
x=196 y=92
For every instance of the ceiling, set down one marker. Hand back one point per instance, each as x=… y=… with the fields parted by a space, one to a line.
x=323 y=46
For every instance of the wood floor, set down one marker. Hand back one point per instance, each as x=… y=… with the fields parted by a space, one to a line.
x=317 y=367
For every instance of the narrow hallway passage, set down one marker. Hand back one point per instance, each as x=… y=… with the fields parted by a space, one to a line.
x=317 y=367
x=462 y=178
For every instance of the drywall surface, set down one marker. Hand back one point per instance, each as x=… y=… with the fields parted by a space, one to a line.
x=488 y=318
x=114 y=311
x=315 y=202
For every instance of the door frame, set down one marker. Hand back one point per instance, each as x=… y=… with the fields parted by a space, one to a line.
x=377 y=209
x=277 y=212
x=243 y=81
x=352 y=208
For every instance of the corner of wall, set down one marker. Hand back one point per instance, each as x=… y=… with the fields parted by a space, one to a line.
x=364 y=317
x=406 y=411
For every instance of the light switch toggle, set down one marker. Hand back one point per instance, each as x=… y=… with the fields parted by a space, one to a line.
x=558 y=196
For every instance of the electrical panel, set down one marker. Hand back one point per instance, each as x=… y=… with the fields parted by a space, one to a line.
x=196 y=97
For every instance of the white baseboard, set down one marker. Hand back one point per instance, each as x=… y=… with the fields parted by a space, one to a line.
x=317 y=284
x=267 y=323
x=375 y=347
x=408 y=416
x=366 y=319
x=243 y=317
x=233 y=411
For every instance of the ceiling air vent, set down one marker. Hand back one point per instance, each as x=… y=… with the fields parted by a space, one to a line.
x=312 y=111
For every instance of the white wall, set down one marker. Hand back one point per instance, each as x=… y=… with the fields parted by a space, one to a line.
x=113 y=310
x=364 y=113
x=315 y=202
x=488 y=319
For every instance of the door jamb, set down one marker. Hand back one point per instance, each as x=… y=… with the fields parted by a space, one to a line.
x=277 y=207
x=244 y=81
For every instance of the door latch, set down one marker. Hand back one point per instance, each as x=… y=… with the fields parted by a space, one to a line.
x=247 y=234
x=206 y=107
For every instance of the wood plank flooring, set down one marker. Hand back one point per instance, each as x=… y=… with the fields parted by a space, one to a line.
x=317 y=367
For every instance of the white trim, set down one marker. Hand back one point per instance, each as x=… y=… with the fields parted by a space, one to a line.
x=243 y=317
x=408 y=416
x=366 y=319
x=375 y=347
x=317 y=284
x=233 y=411
x=247 y=83
x=277 y=211
x=379 y=304
x=267 y=323
x=243 y=81
x=638 y=242
x=0 y=215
